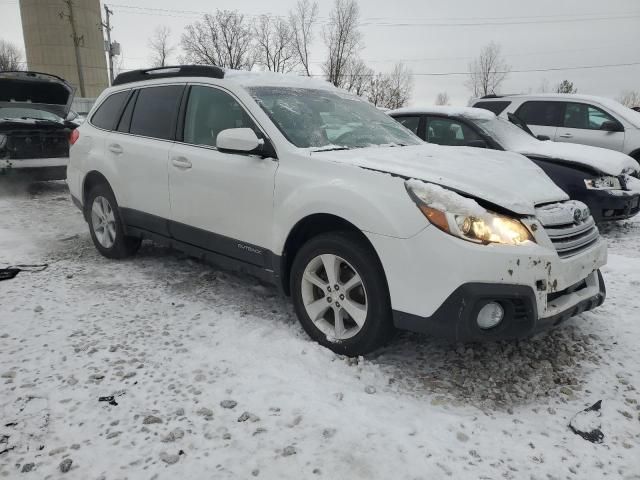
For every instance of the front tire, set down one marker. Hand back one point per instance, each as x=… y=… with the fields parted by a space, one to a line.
x=340 y=294
x=105 y=224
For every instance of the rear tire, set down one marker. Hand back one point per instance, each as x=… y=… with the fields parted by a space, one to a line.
x=353 y=319
x=105 y=224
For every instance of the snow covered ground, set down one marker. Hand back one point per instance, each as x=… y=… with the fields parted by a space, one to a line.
x=175 y=342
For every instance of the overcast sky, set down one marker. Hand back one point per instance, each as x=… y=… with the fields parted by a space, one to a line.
x=431 y=38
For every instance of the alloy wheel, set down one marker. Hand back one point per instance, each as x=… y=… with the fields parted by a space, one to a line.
x=104 y=222
x=334 y=296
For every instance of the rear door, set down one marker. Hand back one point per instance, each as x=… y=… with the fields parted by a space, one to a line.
x=543 y=117
x=139 y=148
x=582 y=124
x=220 y=201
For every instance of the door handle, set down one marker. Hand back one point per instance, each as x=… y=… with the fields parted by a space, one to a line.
x=115 y=148
x=566 y=135
x=181 y=162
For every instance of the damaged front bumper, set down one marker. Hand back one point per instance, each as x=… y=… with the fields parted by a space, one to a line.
x=610 y=205
x=441 y=290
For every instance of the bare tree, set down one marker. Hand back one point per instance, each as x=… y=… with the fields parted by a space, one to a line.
x=302 y=19
x=10 y=57
x=161 y=48
x=342 y=38
x=378 y=89
x=223 y=39
x=488 y=71
x=630 y=98
x=401 y=86
x=275 y=49
x=442 y=98
x=566 y=86
x=356 y=77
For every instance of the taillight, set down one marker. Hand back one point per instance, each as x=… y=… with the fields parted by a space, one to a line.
x=74 y=136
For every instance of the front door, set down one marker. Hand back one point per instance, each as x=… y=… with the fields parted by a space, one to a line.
x=221 y=202
x=582 y=124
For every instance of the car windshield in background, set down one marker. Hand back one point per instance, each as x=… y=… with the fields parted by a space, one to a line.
x=506 y=133
x=11 y=112
x=324 y=119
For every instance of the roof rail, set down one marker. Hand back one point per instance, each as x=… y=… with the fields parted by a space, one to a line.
x=210 y=71
x=492 y=95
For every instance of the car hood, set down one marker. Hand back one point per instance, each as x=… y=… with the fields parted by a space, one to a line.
x=602 y=160
x=505 y=179
x=39 y=91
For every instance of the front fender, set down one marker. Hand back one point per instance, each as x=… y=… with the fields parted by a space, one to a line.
x=374 y=202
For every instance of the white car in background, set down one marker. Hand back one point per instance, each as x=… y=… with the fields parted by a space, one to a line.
x=572 y=118
x=314 y=189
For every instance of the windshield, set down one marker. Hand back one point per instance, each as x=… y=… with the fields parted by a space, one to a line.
x=327 y=120
x=11 y=112
x=505 y=133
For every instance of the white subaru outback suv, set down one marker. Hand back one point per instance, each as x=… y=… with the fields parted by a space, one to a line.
x=365 y=226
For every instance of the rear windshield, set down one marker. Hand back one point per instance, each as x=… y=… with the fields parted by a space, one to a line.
x=311 y=118
x=496 y=107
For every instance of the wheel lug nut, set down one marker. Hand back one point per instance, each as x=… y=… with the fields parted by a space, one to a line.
x=328 y=289
x=337 y=305
x=336 y=287
x=329 y=299
x=341 y=297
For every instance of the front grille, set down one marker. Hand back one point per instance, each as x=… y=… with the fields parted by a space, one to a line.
x=570 y=232
x=21 y=145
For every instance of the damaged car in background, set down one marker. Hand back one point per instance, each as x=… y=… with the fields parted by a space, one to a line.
x=35 y=125
x=605 y=180
x=363 y=224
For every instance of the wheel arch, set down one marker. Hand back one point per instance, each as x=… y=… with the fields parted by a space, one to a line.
x=90 y=180
x=309 y=227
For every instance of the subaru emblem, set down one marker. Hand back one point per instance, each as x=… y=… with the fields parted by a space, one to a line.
x=577 y=215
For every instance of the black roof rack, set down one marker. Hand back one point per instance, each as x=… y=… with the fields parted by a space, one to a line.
x=210 y=71
x=492 y=95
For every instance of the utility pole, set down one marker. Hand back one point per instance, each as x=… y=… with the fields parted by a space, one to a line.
x=107 y=27
x=77 y=42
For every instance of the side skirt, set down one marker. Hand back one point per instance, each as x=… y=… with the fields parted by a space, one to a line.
x=206 y=246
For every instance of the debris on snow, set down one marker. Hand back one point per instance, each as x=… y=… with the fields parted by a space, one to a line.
x=288 y=451
x=151 y=419
x=228 y=403
x=65 y=465
x=587 y=423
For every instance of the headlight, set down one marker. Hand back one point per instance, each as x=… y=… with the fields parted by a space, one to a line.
x=464 y=218
x=603 y=183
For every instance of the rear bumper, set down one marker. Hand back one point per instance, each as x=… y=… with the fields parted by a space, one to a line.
x=455 y=320
x=35 y=168
x=610 y=206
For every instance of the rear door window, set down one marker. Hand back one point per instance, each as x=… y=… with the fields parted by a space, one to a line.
x=156 y=111
x=548 y=114
x=495 y=107
x=108 y=112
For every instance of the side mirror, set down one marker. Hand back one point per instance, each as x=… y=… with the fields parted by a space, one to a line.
x=544 y=138
x=239 y=140
x=610 y=126
x=477 y=144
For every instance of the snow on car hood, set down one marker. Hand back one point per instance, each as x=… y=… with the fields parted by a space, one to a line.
x=506 y=179
x=33 y=90
x=600 y=159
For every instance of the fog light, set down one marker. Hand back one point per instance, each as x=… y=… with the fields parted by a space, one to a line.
x=490 y=315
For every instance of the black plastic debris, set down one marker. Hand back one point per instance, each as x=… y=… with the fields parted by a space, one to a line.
x=587 y=423
x=110 y=399
x=10 y=272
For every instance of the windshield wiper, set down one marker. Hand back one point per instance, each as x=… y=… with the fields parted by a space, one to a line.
x=330 y=149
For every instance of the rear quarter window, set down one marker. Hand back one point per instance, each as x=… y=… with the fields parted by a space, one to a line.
x=108 y=112
x=495 y=107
